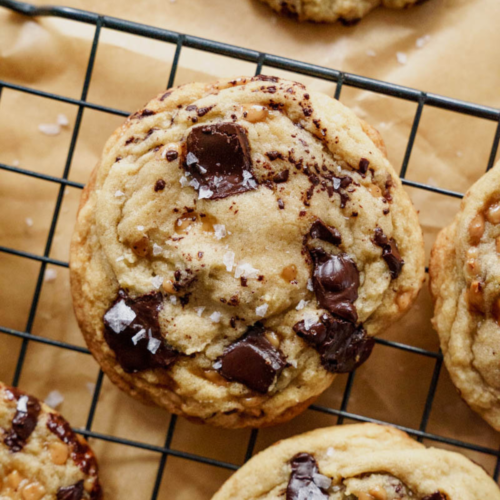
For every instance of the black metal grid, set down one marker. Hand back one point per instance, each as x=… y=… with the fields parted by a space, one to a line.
x=260 y=59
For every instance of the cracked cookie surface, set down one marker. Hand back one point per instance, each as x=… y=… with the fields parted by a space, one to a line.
x=346 y=11
x=41 y=458
x=465 y=283
x=357 y=462
x=238 y=244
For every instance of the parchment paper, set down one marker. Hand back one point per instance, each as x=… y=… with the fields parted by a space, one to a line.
x=446 y=46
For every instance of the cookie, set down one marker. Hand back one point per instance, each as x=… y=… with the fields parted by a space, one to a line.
x=238 y=245
x=348 y=12
x=465 y=284
x=41 y=458
x=357 y=462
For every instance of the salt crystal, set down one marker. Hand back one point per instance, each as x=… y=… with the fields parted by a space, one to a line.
x=310 y=285
x=184 y=182
x=199 y=310
x=321 y=481
x=261 y=310
x=330 y=451
x=62 y=120
x=157 y=281
x=205 y=193
x=191 y=159
x=49 y=128
x=371 y=53
x=29 y=221
x=293 y=362
x=248 y=180
x=119 y=193
x=228 y=260
x=119 y=316
x=153 y=345
x=194 y=183
x=54 y=399
x=245 y=270
x=50 y=275
x=119 y=259
x=202 y=170
x=141 y=334
x=215 y=317
x=301 y=305
x=422 y=41
x=309 y=321
x=401 y=57
x=173 y=299
x=220 y=231
x=217 y=180
x=140 y=228
x=336 y=183
x=22 y=404
x=157 y=249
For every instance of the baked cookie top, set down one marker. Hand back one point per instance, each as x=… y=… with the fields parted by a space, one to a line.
x=346 y=11
x=465 y=283
x=239 y=243
x=357 y=462
x=41 y=458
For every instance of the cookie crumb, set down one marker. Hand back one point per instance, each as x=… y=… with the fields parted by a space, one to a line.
x=402 y=58
x=29 y=221
x=153 y=344
x=62 y=120
x=49 y=128
x=54 y=399
x=422 y=41
x=50 y=275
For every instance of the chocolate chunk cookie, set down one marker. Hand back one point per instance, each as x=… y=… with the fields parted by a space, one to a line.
x=357 y=462
x=465 y=276
x=238 y=245
x=348 y=12
x=41 y=458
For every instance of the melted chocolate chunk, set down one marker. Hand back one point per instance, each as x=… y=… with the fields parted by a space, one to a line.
x=274 y=155
x=24 y=421
x=132 y=331
x=342 y=345
x=252 y=360
x=390 y=252
x=436 y=496
x=323 y=232
x=80 y=451
x=160 y=185
x=305 y=481
x=72 y=492
x=218 y=157
x=281 y=176
x=336 y=283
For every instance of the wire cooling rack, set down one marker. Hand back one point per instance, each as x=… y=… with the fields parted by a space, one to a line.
x=259 y=59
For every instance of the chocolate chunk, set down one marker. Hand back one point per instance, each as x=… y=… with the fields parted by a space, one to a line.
x=132 y=331
x=281 y=176
x=436 y=496
x=342 y=345
x=363 y=166
x=281 y=204
x=80 y=451
x=323 y=232
x=252 y=360
x=306 y=482
x=143 y=113
x=338 y=185
x=24 y=421
x=266 y=78
x=72 y=492
x=390 y=252
x=349 y=22
x=172 y=155
x=218 y=157
x=274 y=155
x=160 y=185
x=336 y=283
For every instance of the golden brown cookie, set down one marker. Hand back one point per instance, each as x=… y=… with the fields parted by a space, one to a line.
x=327 y=11
x=240 y=243
x=465 y=283
x=357 y=462
x=41 y=458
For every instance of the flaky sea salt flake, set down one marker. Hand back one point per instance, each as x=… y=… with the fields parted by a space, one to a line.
x=246 y=270
x=157 y=281
x=140 y=228
x=153 y=345
x=191 y=159
x=173 y=299
x=119 y=316
x=157 y=249
x=402 y=58
x=199 y=310
x=54 y=399
x=261 y=310
x=22 y=404
x=310 y=285
x=49 y=128
x=141 y=334
x=228 y=260
x=215 y=317
x=205 y=192
x=220 y=231
x=119 y=194
x=301 y=305
x=62 y=120
x=194 y=183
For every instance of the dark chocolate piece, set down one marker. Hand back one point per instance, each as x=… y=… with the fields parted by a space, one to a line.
x=305 y=481
x=24 y=421
x=336 y=283
x=218 y=157
x=132 y=331
x=160 y=185
x=72 y=492
x=390 y=252
x=274 y=155
x=172 y=155
x=342 y=345
x=436 y=496
x=281 y=176
x=323 y=232
x=338 y=185
x=252 y=360
x=80 y=451
x=363 y=166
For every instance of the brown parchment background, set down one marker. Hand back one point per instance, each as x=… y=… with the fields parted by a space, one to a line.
x=451 y=151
